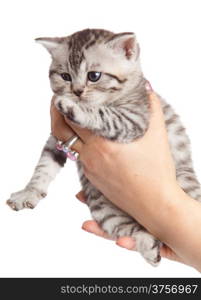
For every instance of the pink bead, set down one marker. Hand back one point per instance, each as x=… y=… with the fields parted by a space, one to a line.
x=71 y=156
x=59 y=147
x=65 y=149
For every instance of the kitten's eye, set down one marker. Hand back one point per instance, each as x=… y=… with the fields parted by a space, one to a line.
x=94 y=76
x=66 y=77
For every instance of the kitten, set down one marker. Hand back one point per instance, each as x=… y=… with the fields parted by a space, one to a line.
x=98 y=83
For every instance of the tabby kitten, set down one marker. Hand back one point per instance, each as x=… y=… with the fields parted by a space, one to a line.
x=98 y=83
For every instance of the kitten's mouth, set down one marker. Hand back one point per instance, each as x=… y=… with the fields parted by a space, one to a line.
x=82 y=98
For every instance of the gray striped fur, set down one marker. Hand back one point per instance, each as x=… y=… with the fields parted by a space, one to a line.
x=116 y=108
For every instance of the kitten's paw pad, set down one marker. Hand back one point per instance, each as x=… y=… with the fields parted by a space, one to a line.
x=149 y=248
x=24 y=199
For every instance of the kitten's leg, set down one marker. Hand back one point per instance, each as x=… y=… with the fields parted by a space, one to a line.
x=114 y=123
x=117 y=223
x=50 y=163
x=187 y=180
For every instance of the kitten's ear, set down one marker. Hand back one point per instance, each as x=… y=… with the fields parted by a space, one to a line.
x=51 y=44
x=125 y=42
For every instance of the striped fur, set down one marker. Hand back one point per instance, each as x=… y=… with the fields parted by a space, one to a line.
x=115 y=107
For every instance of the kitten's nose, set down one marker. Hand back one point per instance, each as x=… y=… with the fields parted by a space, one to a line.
x=78 y=92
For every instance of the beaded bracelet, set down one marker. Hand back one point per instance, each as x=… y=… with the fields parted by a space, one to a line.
x=61 y=146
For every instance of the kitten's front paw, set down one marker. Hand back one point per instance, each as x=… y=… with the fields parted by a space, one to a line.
x=70 y=109
x=24 y=199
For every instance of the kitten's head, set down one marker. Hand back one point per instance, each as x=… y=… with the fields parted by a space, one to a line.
x=93 y=65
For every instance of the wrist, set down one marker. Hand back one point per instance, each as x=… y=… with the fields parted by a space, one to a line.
x=166 y=211
x=178 y=228
x=158 y=208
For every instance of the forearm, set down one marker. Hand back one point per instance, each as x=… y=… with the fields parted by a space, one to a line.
x=175 y=219
x=140 y=179
x=165 y=211
x=182 y=233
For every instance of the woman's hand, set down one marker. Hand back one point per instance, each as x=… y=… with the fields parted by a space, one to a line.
x=137 y=177
x=140 y=179
x=100 y=156
x=59 y=127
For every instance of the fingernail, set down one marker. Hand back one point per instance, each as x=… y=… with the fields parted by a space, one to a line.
x=120 y=245
x=87 y=230
x=148 y=87
x=83 y=228
x=80 y=198
x=128 y=244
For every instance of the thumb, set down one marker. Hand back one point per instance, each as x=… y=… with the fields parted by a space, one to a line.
x=157 y=121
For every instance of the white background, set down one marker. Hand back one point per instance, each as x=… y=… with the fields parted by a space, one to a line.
x=48 y=241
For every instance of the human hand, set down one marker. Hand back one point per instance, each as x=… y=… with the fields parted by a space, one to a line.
x=150 y=192
x=147 y=185
x=59 y=127
x=102 y=160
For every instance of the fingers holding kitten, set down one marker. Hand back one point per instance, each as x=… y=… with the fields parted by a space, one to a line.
x=126 y=241
x=93 y=227
x=60 y=128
